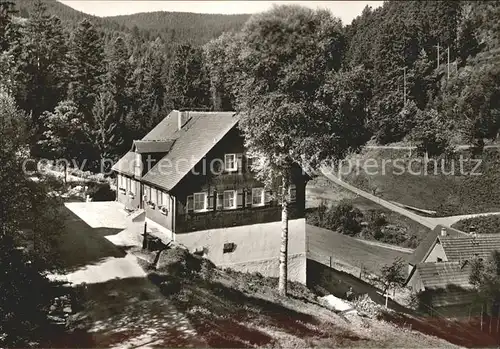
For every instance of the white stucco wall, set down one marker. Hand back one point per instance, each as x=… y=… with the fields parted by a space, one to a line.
x=163 y=233
x=257 y=247
x=436 y=252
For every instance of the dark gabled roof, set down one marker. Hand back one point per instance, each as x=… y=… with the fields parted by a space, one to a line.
x=444 y=274
x=126 y=164
x=427 y=243
x=142 y=146
x=469 y=247
x=198 y=135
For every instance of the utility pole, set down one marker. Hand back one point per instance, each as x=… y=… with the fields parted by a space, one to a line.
x=437 y=54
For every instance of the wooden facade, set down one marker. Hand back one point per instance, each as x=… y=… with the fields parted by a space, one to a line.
x=211 y=195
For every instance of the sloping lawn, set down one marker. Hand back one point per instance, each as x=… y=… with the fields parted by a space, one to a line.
x=321 y=190
x=448 y=194
x=347 y=251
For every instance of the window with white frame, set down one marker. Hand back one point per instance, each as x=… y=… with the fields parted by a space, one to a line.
x=258 y=196
x=200 y=201
x=230 y=162
x=229 y=199
x=121 y=183
x=132 y=186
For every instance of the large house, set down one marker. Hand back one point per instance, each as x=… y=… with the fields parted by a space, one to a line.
x=192 y=178
x=440 y=268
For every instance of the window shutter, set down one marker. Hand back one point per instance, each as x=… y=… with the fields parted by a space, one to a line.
x=267 y=197
x=293 y=193
x=220 y=200
x=189 y=203
x=239 y=161
x=239 y=198
x=248 y=199
x=210 y=205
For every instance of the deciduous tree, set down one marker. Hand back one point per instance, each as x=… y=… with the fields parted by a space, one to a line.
x=64 y=137
x=286 y=55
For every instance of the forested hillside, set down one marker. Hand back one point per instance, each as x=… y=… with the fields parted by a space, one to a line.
x=172 y=27
x=194 y=28
x=444 y=102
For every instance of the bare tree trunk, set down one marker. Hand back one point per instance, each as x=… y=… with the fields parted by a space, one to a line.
x=65 y=173
x=283 y=276
x=482 y=307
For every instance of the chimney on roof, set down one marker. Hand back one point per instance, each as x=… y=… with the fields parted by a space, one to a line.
x=182 y=118
x=472 y=231
x=443 y=231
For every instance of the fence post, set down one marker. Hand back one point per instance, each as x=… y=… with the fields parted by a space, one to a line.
x=330 y=260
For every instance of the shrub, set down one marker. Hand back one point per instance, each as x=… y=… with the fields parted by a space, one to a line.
x=344 y=218
x=100 y=192
x=483 y=225
x=376 y=220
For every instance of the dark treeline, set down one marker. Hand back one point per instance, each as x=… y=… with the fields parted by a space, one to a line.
x=91 y=85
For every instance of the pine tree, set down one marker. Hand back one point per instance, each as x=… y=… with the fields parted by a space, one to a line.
x=6 y=11
x=86 y=67
x=149 y=101
x=105 y=131
x=42 y=65
x=188 y=83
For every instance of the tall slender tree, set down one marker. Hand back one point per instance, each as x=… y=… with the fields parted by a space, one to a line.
x=86 y=67
x=287 y=54
x=105 y=125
